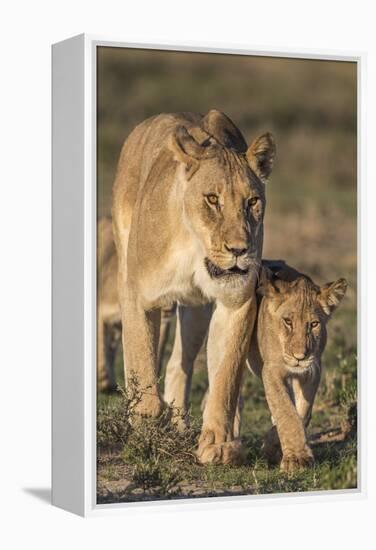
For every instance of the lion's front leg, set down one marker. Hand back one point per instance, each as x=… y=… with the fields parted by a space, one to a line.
x=104 y=383
x=191 y=328
x=140 y=345
x=229 y=336
x=296 y=452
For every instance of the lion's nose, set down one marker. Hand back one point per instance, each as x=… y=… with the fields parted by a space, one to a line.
x=299 y=356
x=236 y=251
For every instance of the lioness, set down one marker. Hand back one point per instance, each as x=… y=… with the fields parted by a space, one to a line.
x=286 y=349
x=188 y=209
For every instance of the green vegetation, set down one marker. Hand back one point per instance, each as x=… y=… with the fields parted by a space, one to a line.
x=310 y=106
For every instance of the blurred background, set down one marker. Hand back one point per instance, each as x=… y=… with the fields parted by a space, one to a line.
x=311 y=217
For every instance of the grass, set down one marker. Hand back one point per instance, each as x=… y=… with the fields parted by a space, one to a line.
x=153 y=460
x=310 y=106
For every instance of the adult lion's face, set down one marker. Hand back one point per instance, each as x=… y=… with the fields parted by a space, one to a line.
x=224 y=201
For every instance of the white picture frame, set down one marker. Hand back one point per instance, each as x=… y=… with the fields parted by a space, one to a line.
x=74 y=275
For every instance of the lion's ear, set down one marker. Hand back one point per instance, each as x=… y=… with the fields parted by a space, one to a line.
x=221 y=127
x=331 y=295
x=187 y=150
x=261 y=155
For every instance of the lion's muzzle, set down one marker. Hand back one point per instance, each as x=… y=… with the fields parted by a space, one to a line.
x=217 y=272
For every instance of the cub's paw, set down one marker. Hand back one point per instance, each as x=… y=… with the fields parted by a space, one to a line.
x=292 y=461
x=228 y=452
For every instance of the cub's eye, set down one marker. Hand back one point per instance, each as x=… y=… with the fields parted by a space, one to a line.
x=253 y=201
x=212 y=199
x=287 y=321
x=315 y=324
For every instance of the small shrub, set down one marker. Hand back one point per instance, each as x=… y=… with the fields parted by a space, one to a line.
x=157 y=452
x=114 y=422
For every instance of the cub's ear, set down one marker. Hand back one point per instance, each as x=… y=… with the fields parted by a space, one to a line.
x=270 y=284
x=265 y=285
x=331 y=294
x=261 y=155
x=187 y=150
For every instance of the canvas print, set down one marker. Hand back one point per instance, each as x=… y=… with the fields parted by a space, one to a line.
x=226 y=275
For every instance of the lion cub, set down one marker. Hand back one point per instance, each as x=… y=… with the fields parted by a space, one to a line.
x=286 y=350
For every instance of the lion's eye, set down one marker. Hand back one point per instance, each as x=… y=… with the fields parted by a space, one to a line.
x=315 y=324
x=287 y=321
x=212 y=199
x=253 y=201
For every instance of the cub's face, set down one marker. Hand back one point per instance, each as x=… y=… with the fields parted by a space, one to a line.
x=302 y=327
x=224 y=201
x=298 y=312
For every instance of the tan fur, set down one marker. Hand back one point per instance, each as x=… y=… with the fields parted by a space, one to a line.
x=286 y=350
x=108 y=315
x=191 y=328
x=108 y=311
x=174 y=244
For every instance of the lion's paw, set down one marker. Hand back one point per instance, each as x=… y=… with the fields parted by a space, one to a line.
x=292 y=461
x=105 y=385
x=150 y=405
x=271 y=447
x=229 y=452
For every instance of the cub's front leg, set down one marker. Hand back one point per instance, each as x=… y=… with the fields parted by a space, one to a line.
x=226 y=359
x=296 y=452
x=304 y=389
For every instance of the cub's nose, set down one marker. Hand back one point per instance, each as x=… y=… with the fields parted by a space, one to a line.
x=236 y=251
x=299 y=356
